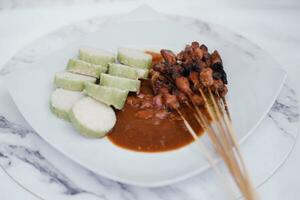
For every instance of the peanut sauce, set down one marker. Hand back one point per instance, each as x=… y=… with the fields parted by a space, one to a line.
x=142 y=127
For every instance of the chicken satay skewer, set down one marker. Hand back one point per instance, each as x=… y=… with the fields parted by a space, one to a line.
x=207 y=81
x=183 y=85
x=221 y=139
x=172 y=103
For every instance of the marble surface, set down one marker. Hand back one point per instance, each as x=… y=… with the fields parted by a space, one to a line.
x=49 y=175
x=16 y=4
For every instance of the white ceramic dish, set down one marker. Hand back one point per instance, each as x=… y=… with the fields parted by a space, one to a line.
x=254 y=82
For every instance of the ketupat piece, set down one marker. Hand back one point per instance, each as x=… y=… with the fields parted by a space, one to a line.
x=92 y=118
x=71 y=81
x=142 y=73
x=96 y=56
x=120 y=82
x=122 y=71
x=107 y=95
x=134 y=58
x=79 y=66
x=127 y=71
x=62 y=100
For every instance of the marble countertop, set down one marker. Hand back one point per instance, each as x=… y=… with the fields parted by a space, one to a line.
x=52 y=181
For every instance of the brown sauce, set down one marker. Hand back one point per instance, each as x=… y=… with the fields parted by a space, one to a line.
x=142 y=127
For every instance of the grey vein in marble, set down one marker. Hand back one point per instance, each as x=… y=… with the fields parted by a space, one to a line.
x=285 y=111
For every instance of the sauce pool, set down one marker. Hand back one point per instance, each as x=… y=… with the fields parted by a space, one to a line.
x=151 y=132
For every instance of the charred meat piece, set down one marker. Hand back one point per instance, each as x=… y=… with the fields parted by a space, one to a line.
x=218 y=85
x=187 y=64
x=215 y=58
x=198 y=100
x=204 y=48
x=183 y=85
x=160 y=67
x=177 y=78
x=181 y=97
x=206 y=55
x=195 y=44
x=201 y=64
x=171 y=101
x=206 y=77
x=181 y=56
x=220 y=88
x=194 y=77
x=175 y=71
x=224 y=78
x=168 y=56
x=223 y=91
x=220 y=74
x=217 y=66
x=158 y=81
x=205 y=52
x=190 y=55
x=197 y=53
x=158 y=86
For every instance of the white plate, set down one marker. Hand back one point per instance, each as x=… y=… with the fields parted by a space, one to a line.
x=254 y=83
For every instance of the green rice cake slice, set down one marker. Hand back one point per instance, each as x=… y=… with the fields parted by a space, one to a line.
x=134 y=58
x=96 y=56
x=122 y=71
x=72 y=81
x=127 y=71
x=120 y=82
x=81 y=67
x=108 y=95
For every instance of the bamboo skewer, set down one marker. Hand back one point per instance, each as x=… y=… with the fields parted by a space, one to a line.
x=206 y=153
x=233 y=169
x=224 y=141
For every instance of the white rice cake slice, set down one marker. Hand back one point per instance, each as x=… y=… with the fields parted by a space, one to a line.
x=108 y=95
x=72 y=81
x=81 y=67
x=62 y=100
x=96 y=56
x=120 y=83
x=92 y=118
x=134 y=58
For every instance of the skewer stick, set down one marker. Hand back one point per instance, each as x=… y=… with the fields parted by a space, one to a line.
x=205 y=124
x=246 y=186
x=226 y=107
x=222 y=150
x=230 y=159
x=206 y=153
x=235 y=164
x=218 y=145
